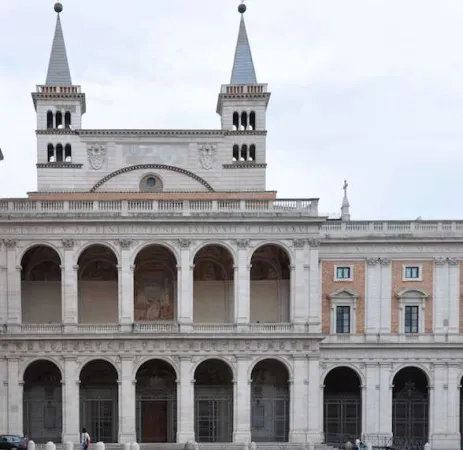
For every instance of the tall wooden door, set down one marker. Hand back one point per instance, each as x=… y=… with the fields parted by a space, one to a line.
x=154 y=416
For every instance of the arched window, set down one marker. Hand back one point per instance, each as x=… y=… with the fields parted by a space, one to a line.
x=244 y=153
x=252 y=120
x=236 y=121
x=51 y=153
x=68 y=153
x=59 y=119
x=236 y=153
x=252 y=153
x=67 y=119
x=244 y=120
x=49 y=120
x=59 y=153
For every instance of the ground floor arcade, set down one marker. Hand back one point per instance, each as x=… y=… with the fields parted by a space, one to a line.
x=230 y=399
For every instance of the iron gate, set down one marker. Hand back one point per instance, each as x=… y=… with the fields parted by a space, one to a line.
x=270 y=419
x=213 y=414
x=342 y=419
x=42 y=419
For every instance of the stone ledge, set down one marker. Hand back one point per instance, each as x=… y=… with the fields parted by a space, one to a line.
x=59 y=165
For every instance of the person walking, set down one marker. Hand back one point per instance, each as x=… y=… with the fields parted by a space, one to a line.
x=85 y=439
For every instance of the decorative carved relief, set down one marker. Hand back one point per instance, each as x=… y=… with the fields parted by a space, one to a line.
x=68 y=244
x=96 y=154
x=453 y=261
x=242 y=244
x=125 y=244
x=440 y=261
x=10 y=244
x=207 y=156
x=385 y=261
x=299 y=243
x=184 y=243
x=314 y=243
x=372 y=261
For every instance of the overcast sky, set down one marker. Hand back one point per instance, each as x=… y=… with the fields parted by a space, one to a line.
x=367 y=90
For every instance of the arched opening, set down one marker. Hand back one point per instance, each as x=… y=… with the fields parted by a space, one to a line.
x=98 y=286
x=59 y=119
x=51 y=153
x=49 y=119
x=252 y=120
x=156 y=408
x=99 y=401
x=270 y=285
x=213 y=402
x=410 y=408
x=244 y=121
x=236 y=121
x=213 y=296
x=244 y=153
x=269 y=402
x=67 y=119
x=67 y=153
x=236 y=153
x=155 y=284
x=59 y=153
x=42 y=402
x=41 y=286
x=342 y=406
x=252 y=153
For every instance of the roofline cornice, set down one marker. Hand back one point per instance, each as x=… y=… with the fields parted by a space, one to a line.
x=143 y=132
x=60 y=96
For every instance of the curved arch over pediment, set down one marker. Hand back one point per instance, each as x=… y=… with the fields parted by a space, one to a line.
x=343 y=292
x=154 y=167
x=412 y=292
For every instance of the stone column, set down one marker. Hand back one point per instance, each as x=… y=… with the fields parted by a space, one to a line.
x=314 y=402
x=299 y=288
x=441 y=296
x=242 y=402
x=69 y=287
x=453 y=296
x=371 y=403
x=242 y=284
x=315 y=305
x=15 y=398
x=386 y=296
x=3 y=286
x=444 y=429
x=384 y=406
x=71 y=403
x=299 y=400
x=185 y=287
x=126 y=290
x=127 y=428
x=13 y=287
x=373 y=296
x=3 y=395
x=185 y=402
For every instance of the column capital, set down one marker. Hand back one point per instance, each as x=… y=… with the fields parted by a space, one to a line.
x=385 y=261
x=440 y=261
x=10 y=244
x=372 y=261
x=453 y=261
x=299 y=243
x=242 y=244
x=19 y=268
x=314 y=243
x=184 y=244
x=125 y=244
x=68 y=244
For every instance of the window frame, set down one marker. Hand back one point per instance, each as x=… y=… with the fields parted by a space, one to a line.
x=343 y=308
x=343 y=266
x=412 y=297
x=343 y=297
x=408 y=266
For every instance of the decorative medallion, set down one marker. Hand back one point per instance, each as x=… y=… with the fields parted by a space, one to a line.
x=96 y=156
x=207 y=156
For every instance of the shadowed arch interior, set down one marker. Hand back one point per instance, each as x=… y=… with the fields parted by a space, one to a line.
x=410 y=407
x=342 y=409
x=270 y=285
x=42 y=402
x=213 y=285
x=155 y=284
x=213 y=401
x=270 y=402
x=41 y=285
x=99 y=400
x=98 y=289
x=156 y=402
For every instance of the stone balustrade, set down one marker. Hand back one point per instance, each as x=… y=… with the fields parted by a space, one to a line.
x=143 y=208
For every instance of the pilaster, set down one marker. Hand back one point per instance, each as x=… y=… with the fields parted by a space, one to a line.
x=185 y=286
x=69 y=293
x=371 y=402
x=15 y=398
x=242 y=284
x=385 y=402
x=315 y=307
x=441 y=312
x=314 y=402
x=71 y=404
x=127 y=388
x=185 y=402
x=126 y=290
x=372 y=296
x=3 y=395
x=242 y=402
x=299 y=288
x=3 y=286
x=299 y=400
x=453 y=296
x=386 y=295
x=13 y=287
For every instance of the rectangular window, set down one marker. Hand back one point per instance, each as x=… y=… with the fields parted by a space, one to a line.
x=412 y=272
x=342 y=319
x=411 y=319
x=343 y=273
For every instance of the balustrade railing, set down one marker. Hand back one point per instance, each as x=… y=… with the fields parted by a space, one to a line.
x=124 y=208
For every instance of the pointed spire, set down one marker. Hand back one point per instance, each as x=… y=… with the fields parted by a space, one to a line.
x=243 y=66
x=345 y=208
x=58 y=67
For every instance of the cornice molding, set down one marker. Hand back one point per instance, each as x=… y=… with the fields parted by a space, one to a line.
x=134 y=132
x=244 y=165
x=59 y=165
x=55 y=131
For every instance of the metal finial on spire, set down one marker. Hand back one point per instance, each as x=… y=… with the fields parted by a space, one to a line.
x=242 y=7
x=58 y=7
x=345 y=208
